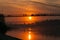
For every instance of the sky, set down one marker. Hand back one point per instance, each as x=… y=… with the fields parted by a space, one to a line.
x=13 y=7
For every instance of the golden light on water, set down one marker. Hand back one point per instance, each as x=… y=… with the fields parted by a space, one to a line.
x=29 y=36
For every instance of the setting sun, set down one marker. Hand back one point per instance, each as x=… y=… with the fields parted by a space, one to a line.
x=30 y=18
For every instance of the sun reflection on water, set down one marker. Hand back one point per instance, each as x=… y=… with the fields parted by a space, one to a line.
x=29 y=36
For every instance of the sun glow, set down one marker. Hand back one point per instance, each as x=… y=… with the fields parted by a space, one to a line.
x=30 y=18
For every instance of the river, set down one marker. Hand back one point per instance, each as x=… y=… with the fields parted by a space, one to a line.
x=30 y=33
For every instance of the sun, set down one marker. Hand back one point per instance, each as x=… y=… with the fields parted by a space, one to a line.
x=30 y=18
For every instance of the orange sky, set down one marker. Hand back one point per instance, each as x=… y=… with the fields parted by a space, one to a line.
x=25 y=7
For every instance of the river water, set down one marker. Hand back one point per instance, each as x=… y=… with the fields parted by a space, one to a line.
x=21 y=20
x=24 y=32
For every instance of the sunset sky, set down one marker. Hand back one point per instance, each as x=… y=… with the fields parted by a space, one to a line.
x=28 y=7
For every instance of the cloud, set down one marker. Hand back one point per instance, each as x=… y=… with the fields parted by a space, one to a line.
x=48 y=1
x=22 y=7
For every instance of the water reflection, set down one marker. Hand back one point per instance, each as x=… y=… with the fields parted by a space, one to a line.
x=30 y=35
x=30 y=32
